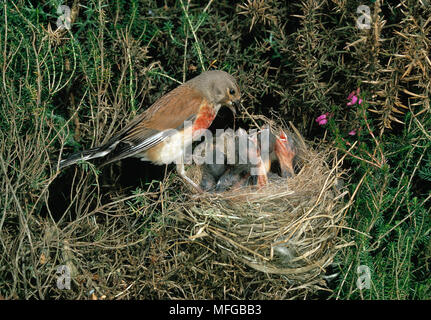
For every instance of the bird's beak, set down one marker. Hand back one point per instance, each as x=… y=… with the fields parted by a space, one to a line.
x=232 y=104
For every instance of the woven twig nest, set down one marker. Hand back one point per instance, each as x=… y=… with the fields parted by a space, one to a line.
x=289 y=227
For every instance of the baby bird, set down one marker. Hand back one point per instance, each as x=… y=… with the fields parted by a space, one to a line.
x=279 y=149
x=267 y=149
x=215 y=154
x=230 y=151
x=237 y=159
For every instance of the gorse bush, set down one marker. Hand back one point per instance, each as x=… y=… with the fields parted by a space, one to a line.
x=64 y=90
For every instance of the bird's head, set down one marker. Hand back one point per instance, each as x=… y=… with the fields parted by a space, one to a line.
x=285 y=151
x=219 y=87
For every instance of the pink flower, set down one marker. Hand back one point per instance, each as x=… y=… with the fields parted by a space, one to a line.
x=352 y=101
x=323 y=119
x=353 y=97
x=352 y=133
x=323 y=122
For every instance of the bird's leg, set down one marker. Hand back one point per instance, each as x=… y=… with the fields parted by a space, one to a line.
x=182 y=172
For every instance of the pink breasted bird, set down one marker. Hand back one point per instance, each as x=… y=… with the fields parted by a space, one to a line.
x=162 y=132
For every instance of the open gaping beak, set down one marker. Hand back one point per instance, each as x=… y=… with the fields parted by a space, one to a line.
x=285 y=151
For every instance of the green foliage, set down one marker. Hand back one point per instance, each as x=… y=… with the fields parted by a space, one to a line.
x=425 y=170
x=391 y=213
x=62 y=91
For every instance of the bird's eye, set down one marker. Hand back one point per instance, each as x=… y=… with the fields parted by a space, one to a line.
x=232 y=91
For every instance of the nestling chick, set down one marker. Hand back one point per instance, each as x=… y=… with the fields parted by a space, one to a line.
x=248 y=167
x=279 y=149
x=229 y=159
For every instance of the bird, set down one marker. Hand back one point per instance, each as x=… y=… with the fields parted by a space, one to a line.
x=234 y=178
x=214 y=152
x=279 y=148
x=234 y=161
x=264 y=148
x=163 y=131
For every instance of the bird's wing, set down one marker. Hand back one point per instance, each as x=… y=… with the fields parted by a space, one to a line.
x=160 y=121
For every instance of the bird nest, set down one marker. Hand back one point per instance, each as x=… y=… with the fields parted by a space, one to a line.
x=287 y=229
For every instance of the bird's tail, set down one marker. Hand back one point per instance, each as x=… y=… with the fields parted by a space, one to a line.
x=89 y=154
